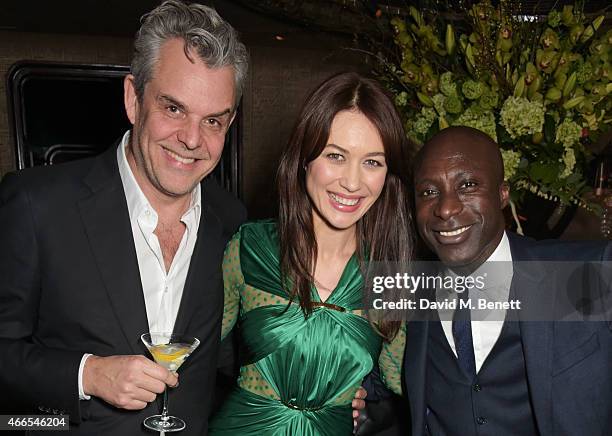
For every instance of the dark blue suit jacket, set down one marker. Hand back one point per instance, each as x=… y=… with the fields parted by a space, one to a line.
x=568 y=364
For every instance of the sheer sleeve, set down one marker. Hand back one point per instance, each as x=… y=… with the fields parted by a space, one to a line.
x=232 y=284
x=391 y=360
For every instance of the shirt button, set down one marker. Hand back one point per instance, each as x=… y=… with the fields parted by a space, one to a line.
x=166 y=290
x=477 y=387
x=481 y=420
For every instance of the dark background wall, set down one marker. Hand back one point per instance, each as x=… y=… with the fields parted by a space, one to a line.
x=282 y=72
x=16 y=46
x=287 y=61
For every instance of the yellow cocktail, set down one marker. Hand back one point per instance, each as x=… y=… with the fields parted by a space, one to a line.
x=170 y=356
x=170 y=351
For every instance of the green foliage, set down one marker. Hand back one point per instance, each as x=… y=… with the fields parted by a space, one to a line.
x=541 y=88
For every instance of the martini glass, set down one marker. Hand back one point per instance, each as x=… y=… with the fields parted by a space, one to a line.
x=170 y=351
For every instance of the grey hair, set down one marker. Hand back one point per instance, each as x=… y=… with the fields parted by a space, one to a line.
x=201 y=28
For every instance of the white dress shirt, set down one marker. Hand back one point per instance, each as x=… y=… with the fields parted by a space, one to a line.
x=162 y=289
x=485 y=333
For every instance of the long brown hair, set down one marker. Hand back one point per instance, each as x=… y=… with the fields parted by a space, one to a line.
x=385 y=231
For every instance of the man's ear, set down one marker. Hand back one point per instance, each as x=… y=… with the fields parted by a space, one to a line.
x=130 y=101
x=504 y=194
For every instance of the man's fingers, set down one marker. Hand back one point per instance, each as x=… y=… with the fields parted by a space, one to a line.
x=143 y=396
x=358 y=405
x=361 y=393
x=172 y=379
x=160 y=373
x=358 y=402
x=154 y=370
x=132 y=398
x=136 y=405
x=151 y=384
x=127 y=382
x=177 y=381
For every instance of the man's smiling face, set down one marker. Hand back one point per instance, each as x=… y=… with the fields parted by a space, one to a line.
x=460 y=194
x=179 y=123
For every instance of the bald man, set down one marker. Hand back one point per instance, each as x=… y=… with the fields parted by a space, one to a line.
x=499 y=377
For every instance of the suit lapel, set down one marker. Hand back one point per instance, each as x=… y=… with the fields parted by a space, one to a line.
x=537 y=339
x=107 y=224
x=415 y=371
x=205 y=262
x=536 y=336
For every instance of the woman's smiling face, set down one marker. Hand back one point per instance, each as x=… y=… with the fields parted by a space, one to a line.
x=345 y=180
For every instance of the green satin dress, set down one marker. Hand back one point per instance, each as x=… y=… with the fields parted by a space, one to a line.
x=299 y=374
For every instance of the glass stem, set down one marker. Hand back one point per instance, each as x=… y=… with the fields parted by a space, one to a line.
x=164 y=416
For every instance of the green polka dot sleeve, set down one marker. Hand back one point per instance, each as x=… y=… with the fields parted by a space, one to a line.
x=391 y=360
x=233 y=281
x=252 y=298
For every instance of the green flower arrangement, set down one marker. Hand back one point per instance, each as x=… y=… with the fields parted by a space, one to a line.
x=539 y=86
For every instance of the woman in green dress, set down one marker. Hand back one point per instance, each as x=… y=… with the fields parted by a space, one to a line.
x=295 y=285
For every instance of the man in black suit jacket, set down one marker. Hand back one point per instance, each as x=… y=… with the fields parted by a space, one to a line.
x=531 y=377
x=85 y=246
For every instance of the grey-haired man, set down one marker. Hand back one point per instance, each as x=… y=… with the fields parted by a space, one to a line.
x=98 y=251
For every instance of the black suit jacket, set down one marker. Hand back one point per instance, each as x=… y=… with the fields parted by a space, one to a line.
x=568 y=364
x=70 y=284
